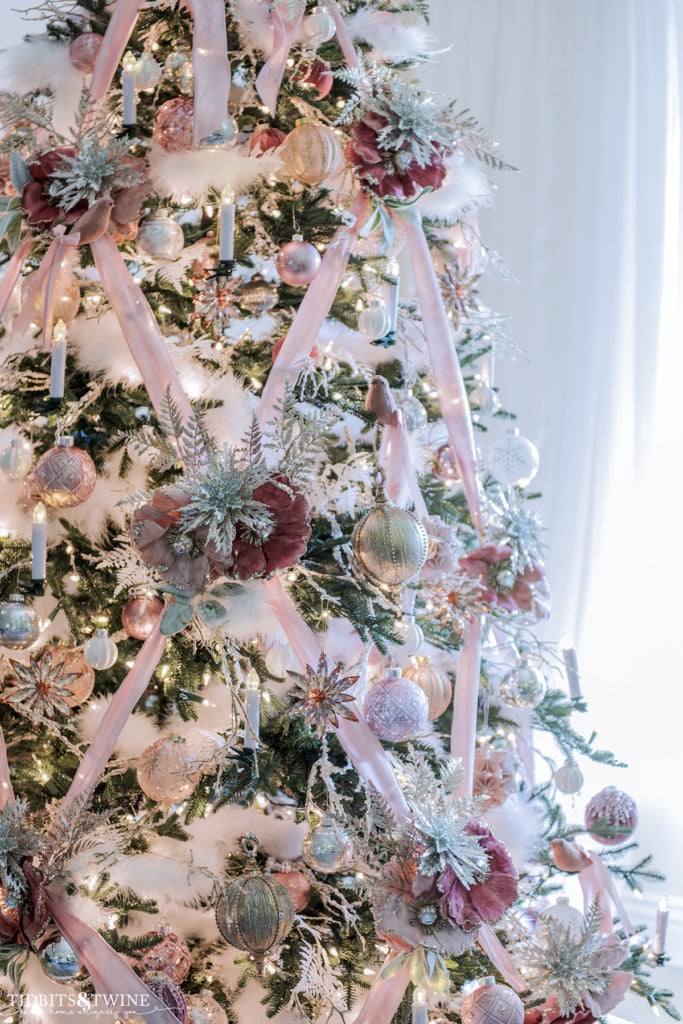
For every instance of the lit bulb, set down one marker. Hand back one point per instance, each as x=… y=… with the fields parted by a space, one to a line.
x=228 y=194
x=59 y=331
x=129 y=61
x=40 y=513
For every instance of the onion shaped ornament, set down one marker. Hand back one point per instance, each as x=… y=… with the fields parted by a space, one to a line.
x=312 y=152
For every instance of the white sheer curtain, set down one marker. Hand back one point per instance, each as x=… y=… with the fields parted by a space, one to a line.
x=584 y=97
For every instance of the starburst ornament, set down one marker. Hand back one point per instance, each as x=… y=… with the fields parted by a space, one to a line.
x=42 y=688
x=320 y=696
x=215 y=302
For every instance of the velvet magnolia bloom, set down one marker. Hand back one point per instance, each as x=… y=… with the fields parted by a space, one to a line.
x=483 y=902
x=286 y=542
x=383 y=170
x=526 y=591
x=39 y=208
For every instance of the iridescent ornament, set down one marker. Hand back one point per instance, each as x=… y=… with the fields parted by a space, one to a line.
x=568 y=778
x=280 y=659
x=374 y=321
x=317 y=27
x=66 y=297
x=413 y=410
x=19 y=623
x=611 y=810
x=223 y=137
x=83 y=51
x=297 y=885
x=64 y=476
x=561 y=916
x=255 y=912
x=513 y=460
x=171 y=956
x=16 y=459
x=173 y=124
x=257 y=295
x=312 y=152
x=161 y=237
x=204 y=1009
x=445 y=464
x=484 y=399
x=297 y=262
x=327 y=847
x=168 y=993
x=396 y=708
x=139 y=615
x=100 y=651
x=60 y=963
x=487 y=1002
x=167 y=770
x=390 y=543
x=72 y=662
x=434 y=684
x=523 y=686
x=147 y=73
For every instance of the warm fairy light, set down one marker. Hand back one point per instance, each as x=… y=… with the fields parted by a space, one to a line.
x=256 y=384
x=4 y=531
x=266 y=696
x=368 y=972
x=334 y=951
x=208 y=210
x=260 y=801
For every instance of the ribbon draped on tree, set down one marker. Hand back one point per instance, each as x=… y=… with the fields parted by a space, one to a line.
x=269 y=78
x=597 y=883
x=211 y=66
x=116 y=36
x=394 y=458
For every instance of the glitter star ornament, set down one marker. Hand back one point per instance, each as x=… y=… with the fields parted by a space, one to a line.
x=215 y=302
x=42 y=688
x=320 y=696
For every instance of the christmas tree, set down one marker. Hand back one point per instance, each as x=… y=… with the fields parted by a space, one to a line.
x=279 y=735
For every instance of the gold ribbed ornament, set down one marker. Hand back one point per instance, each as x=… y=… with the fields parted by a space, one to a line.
x=255 y=912
x=436 y=687
x=311 y=152
x=389 y=542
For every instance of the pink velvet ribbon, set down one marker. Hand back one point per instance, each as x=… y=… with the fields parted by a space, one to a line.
x=118 y=32
x=499 y=957
x=343 y=36
x=597 y=883
x=448 y=380
x=211 y=66
x=385 y=995
x=6 y=789
x=269 y=78
x=394 y=458
x=141 y=331
x=362 y=747
x=12 y=271
x=315 y=306
x=465 y=699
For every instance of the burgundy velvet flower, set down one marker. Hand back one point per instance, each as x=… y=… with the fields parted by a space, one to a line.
x=287 y=541
x=40 y=210
x=484 y=902
x=549 y=1013
x=529 y=591
x=379 y=169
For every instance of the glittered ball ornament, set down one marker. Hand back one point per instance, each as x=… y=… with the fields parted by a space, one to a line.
x=255 y=912
x=312 y=152
x=171 y=957
x=173 y=124
x=611 y=810
x=257 y=295
x=74 y=664
x=167 y=770
x=568 y=778
x=16 y=459
x=434 y=684
x=396 y=709
x=139 y=615
x=65 y=301
x=161 y=237
x=374 y=321
x=297 y=262
x=297 y=885
x=19 y=623
x=487 y=1002
x=390 y=544
x=327 y=847
x=65 y=476
x=83 y=51
x=523 y=686
x=561 y=916
x=202 y=1008
x=100 y=651
x=167 y=992
x=60 y=963
x=513 y=461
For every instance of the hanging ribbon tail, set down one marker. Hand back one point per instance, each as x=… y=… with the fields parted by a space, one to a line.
x=116 y=716
x=12 y=271
x=35 y=297
x=109 y=972
x=116 y=37
x=394 y=458
x=343 y=36
x=597 y=883
x=311 y=314
x=500 y=958
x=6 y=789
x=211 y=66
x=448 y=380
x=465 y=700
x=269 y=78
x=360 y=744
x=385 y=995
x=140 y=329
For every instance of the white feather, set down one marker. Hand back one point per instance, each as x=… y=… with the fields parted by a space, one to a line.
x=40 y=64
x=137 y=734
x=254 y=25
x=518 y=824
x=465 y=188
x=194 y=173
x=102 y=348
x=392 y=37
x=250 y=615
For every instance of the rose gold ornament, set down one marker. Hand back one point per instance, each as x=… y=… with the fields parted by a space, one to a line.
x=167 y=770
x=75 y=664
x=614 y=810
x=66 y=297
x=444 y=464
x=311 y=153
x=436 y=686
x=171 y=957
x=172 y=127
x=83 y=51
x=139 y=614
x=298 y=887
x=65 y=476
x=297 y=262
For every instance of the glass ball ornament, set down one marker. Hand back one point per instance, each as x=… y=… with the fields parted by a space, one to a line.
x=257 y=295
x=611 y=809
x=315 y=76
x=317 y=27
x=64 y=476
x=169 y=993
x=412 y=408
x=73 y=660
x=254 y=912
x=568 y=778
x=167 y=770
x=312 y=152
x=180 y=70
x=171 y=957
x=487 y=1002
x=100 y=651
x=298 y=262
x=223 y=137
x=147 y=73
x=523 y=686
x=83 y=51
x=59 y=962
x=514 y=460
x=297 y=885
x=390 y=543
x=16 y=459
x=374 y=321
x=435 y=685
x=139 y=615
x=280 y=659
x=484 y=399
x=445 y=465
x=396 y=709
x=173 y=124
x=161 y=237
x=65 y=301
x=19 y=623
x=202 y=1008
x=561 y=913
x=327 y=847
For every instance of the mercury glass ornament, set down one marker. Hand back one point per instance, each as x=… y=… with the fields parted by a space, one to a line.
x=297 y=262
x=413 y=410
x=484 y=399
x=523 y=686
x=16 y=459
x=297 y=885
x=100 y=651
x=568 y=778
x=139 y=615
x=513 y=460
x=563 y=914
x=445 y=464
x=255 y=912
x=257 y=295
x=167 y=770
x=173 y=123
x=65 y=301
x=161 y=237
x=60 y=963
x=83 y=51
x=168 y=993
x=147 y=73
x=374 y=321
x=396 y=708
x=204 y=1009
x=434 y=684
x=312 y=152
x=317 y=27
x=171 y=956
x=65 y=476
x=390 y=543
x=327 y=847
x=487 y=1002
x=614 y=810
x=19 y=623
x=73 y=660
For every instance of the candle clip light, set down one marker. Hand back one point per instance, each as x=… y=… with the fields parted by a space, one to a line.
x=129 y=89
x=39 y=543
x=58 y=361
x=252 y=701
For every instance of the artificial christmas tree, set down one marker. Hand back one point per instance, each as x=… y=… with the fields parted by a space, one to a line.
x=247 y=403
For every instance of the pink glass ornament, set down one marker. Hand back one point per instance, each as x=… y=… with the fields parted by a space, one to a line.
x=65 y=301
x=396 y=709
x=83 y=51
x=614 y=809
x=64 y=476
x=172 y=127
x=167 y=770
x=444 y=465
x=491 y=1003
x=316 y=77
x=171 y=957
x=139 y=614
x=298 y=887
x=297 y=262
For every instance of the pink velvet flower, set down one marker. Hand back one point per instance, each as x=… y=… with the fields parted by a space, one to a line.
x=287 y=541
x=39 y=208
x=529 y=591
x=379 y=169
x=484 y=902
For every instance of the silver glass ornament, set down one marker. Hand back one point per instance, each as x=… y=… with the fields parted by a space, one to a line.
x=257 y=295
x=568 y=778
x=147 y=73
x=327 y=847
x=161 y=237
x=19 y=623
x=60 y=963
x=523 y=686
x=222 y=137
x=100 y=651
x=413 y=410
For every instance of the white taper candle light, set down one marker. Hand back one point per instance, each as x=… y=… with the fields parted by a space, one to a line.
x=392 y=292
x=226 y=224
x=252 y=703
x=58 y=360
x=129 y=89
x=39 y=542
x=420 y=1013
x=571 y=667
x=661 y=922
